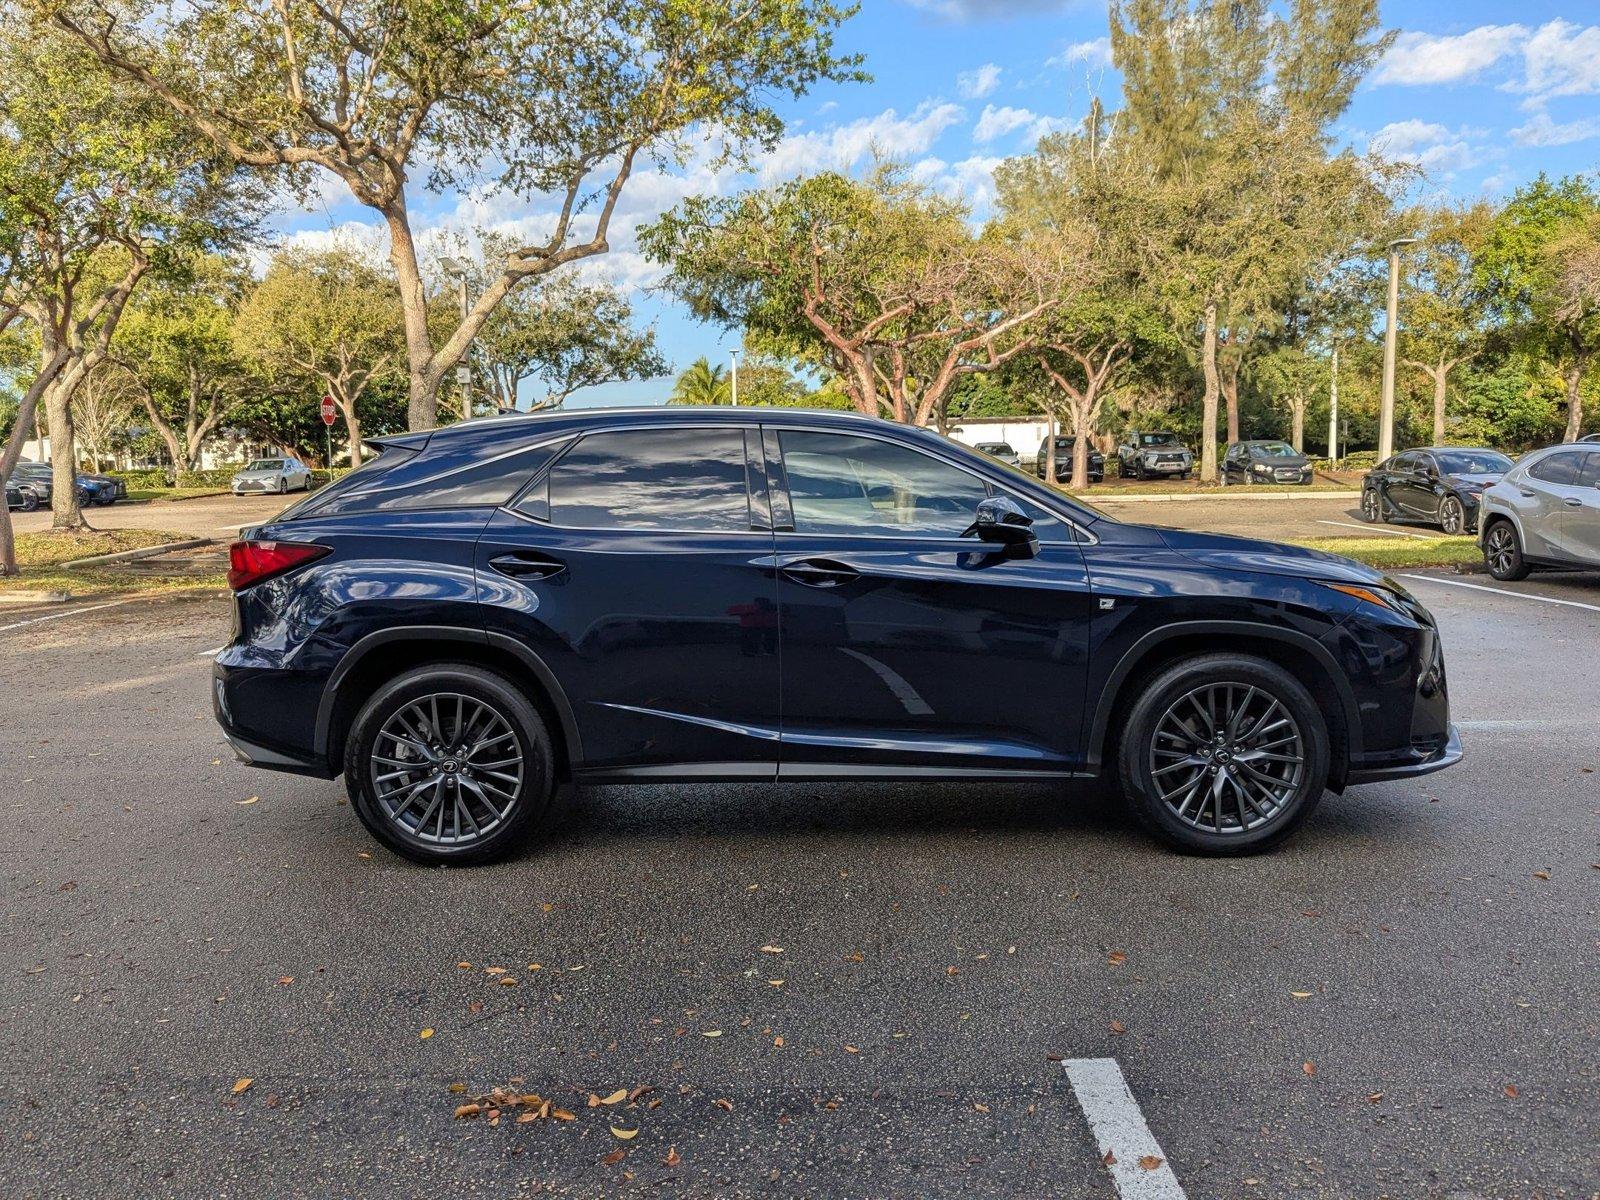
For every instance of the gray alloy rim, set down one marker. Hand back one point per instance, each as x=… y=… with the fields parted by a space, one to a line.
x=447 y=769
x=1369 y=505
x=1502 y=550
x=1227 y=758
x=1450 y=515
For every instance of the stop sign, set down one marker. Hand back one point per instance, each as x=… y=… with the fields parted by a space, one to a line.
x=330 y=410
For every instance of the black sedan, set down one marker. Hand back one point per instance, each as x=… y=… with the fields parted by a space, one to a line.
x=1097 y=461
x=21 y=495
x=1440 y=485
x=1265 y=462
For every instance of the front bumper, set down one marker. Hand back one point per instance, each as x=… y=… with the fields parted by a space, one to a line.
x=1425 y=760
x=252 y=486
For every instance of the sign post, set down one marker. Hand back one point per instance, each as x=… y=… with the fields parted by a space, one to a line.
x=330 y=411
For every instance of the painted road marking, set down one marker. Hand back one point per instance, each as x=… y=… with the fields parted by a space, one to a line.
x=1478 y=587
x=56 y=616
x=1379 y=529
x=1120 y=1132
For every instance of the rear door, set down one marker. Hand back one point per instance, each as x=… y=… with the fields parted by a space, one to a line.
x=638 y=568
x=1405 y=486
x=1580 y=529
x=1549 y=490
x=906 y=647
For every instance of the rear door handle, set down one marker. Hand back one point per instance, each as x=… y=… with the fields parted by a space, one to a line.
x=527 y=564
x=819 y=572
x=1572 y=502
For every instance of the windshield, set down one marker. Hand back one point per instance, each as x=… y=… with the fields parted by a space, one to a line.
x=1274 y=450
x=1473 y=462
x=265 y=464
x=1158 y=439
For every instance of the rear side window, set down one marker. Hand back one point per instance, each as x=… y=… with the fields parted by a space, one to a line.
x=1559 y=468
x=688 y=480
x=1589 y=473
x=330 y=499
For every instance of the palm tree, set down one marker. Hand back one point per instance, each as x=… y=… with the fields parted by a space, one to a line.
x=702 y=383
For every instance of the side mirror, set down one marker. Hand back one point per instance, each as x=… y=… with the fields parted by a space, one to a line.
x=1002 y=522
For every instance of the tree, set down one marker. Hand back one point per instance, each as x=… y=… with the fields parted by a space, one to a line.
x=177 y=341
x=879 y=281
x=103 y=409
x=702 y=383
x=562 y=99
x=1445 y=305
x=323 y=322
x=97 y=186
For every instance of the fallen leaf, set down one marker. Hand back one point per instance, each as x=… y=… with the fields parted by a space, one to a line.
x=1116 y=958
x=1300 y=995
x=252 y=800
x=524 y=1118
x=616 y=1097
x=724 y=1105
x=1149 y=1162
x=242 y=1085
x=507 y=981
x=849 y=1049
x=778 y=1041
x=980 y=1107
x=1118 y=1027
x=673 y=1158
x=286 y=980
x=626 y=1135
x=776 y=982
x=363 y=854
x=457 y=1088
x=494 y=970
x=1309 y=1068
x=1541 y=874
x=425 y=1034
x=1110 y=1159
x=464 y=1111
x=614 y=1157
x=1374 y=1097
x=465 y=966
x=1511 y=1090
x=711 y=1033
x=562 y=1114
x=772 y=949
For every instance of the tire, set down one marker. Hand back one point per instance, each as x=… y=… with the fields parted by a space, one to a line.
x=30 y=501
x=1372 y=507
x=1452 y=517
x=1271 y=810
x=511 y=801
x=1138 y=470
x=1183 y=475
x=1502 y=552
x=283 y=486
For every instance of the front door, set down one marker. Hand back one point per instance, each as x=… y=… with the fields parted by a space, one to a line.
x=904 y=644
x=638 y=569
x=1581 y=530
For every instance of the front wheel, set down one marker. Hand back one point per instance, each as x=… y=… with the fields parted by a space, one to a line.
x=1371 y=506
x=1223 y=754
x=1452 y=517
x=449 y=764
x=1502 y=553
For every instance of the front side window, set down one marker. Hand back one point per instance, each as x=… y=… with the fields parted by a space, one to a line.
x=1273 y=450
x=1561 y=468
x=843 y=484
x=690 y=480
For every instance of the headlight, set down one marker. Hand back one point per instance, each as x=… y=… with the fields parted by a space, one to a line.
x=1372 y=594
x=1261 y=468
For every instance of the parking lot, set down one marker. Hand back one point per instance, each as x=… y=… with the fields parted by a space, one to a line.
x=800 y=990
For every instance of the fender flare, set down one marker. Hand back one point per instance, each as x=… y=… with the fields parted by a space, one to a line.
x=1141 y=650
x=535 y=666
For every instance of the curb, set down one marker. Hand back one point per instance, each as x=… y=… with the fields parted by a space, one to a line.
x=1219 y=494
x=34 y=597
x=143 y=552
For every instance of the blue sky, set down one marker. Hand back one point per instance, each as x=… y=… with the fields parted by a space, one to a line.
x=1483 y=96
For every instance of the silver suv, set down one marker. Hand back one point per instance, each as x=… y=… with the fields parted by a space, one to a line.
x=1544 y=512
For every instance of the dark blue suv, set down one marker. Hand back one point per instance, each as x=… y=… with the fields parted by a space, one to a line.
x=489 y=610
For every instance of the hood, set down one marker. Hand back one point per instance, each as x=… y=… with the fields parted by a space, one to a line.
x=100 y=479
x=1270 y=558
x=1480 y=479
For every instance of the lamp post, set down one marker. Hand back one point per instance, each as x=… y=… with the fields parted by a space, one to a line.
x=1333 y=410
x=1390 y=333
x=734 y=354
x=457 y=269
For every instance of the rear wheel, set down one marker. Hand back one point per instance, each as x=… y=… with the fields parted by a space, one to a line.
x=30 y=501
x=1502 y=552
x=449 y=764
x=1223 y=754
x=1371 y=506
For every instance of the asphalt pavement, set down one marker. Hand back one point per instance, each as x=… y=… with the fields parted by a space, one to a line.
x=842 y=990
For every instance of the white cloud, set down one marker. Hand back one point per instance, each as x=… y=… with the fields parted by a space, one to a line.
x=1542 y=131
x=1561 y=59
x=1424 y=58
x=845 y=146
x=971 y=180
x=1429 y=145
x=1096 y=53
x=976 y=84
x=997 y=122
x=979 y=10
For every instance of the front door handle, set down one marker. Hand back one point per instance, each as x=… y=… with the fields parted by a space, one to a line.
x=1527 y=494
x=527 y=564
x=819 y=572
x=1572 y=502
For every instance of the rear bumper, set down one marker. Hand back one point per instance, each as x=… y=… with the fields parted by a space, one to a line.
x=1420 y=762
x=275 y=760
x=268 y=717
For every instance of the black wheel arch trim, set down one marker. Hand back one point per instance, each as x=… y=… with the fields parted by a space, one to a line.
x=1111 y=692
x=535 y=665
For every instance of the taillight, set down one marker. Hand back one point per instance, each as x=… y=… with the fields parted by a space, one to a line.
x=251 y=562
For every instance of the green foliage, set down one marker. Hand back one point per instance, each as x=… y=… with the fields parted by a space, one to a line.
x=702 y=383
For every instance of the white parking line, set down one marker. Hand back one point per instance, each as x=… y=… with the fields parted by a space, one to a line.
x=1378 y=529
x=1478 y=587
x=56 y=616
x=1129 y=1150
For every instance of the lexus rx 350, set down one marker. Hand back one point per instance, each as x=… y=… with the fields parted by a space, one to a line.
x=488 y=610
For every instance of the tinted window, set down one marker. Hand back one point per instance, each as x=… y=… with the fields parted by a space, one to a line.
x=1560 y=468
x=333 y=498
x=839 y=483
x=684 y=479
x=1589 y=473
x=1472 y=462
x=484 y=482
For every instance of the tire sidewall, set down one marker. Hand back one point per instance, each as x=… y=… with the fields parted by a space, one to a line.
x=533 y=737
x=1161 y=690
x=1519 y=568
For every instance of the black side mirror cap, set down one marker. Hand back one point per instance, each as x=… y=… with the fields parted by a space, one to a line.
x=1001 y=521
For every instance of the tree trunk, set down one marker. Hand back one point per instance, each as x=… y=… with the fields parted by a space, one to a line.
x=64 y=453
x=352 y=430
x=422 y=408
x=1297 y=423
x=1230 y=391
x=1050 y=447
x=1080 y=445
x=1208 y=419
x=27 y=417
x=1440 y=374
x=1574 y=401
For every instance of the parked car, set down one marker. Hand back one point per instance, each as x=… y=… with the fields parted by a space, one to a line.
x=1440 y=485
x=38 y=476
x=1064 y=448
x=1544 y=512
x=1590 y=437
x=1264 y=461
x=1000 y=450
x=1159 y=453
x=273 y=475
x=492 y=608
x=21 y=495
x=101 y=489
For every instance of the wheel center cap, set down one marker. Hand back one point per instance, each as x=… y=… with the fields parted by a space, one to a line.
x=449 y=766
x=1223 y=756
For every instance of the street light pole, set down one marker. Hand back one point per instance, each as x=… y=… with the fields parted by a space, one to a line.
x=1390 y=334
x=457 y=269
x=734 y=354
x=1333 y=410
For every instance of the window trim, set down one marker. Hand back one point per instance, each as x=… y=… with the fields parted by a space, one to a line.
x=1083 y=537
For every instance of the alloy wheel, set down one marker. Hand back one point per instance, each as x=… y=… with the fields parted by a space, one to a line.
x=1369 y=506
x=1227 y=758
x=1451 y=517
x=1501 y=549
x=447 y=769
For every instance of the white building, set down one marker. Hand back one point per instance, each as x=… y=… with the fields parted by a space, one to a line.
x=1023 y=434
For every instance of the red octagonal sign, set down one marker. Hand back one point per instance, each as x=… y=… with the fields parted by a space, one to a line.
x=330 y=411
